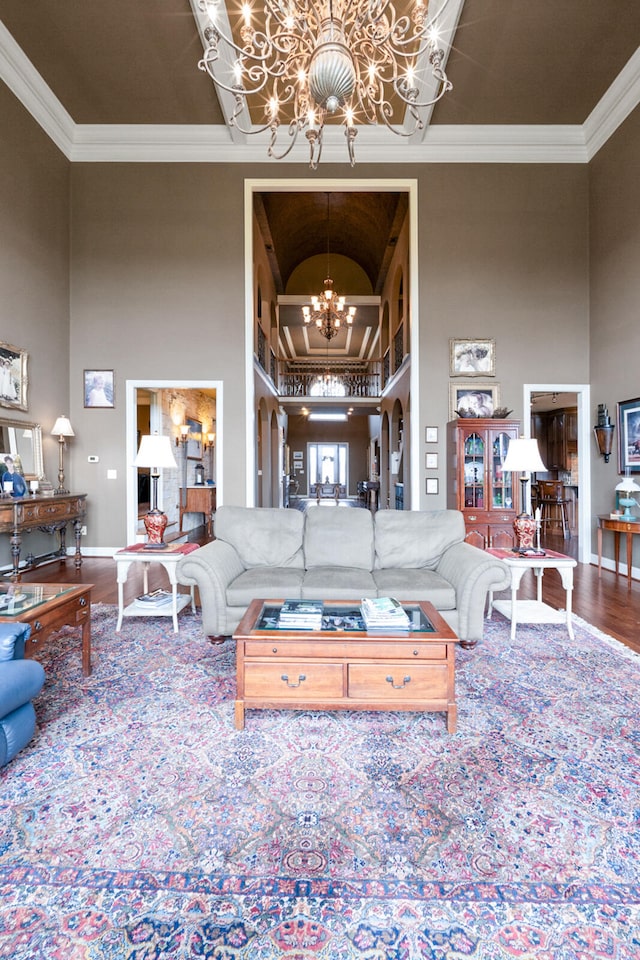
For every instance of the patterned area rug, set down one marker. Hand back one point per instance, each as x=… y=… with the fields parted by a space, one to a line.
x=140 y=824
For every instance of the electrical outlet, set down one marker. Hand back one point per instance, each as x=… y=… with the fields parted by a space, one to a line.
x=83 y=531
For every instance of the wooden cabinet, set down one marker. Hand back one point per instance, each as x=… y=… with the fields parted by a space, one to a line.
x=199 y=499
x=48 y=514
x=477 y=483
x=557 y=434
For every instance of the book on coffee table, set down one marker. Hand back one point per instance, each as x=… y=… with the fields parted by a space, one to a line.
x=301 y=614
x=384 y=612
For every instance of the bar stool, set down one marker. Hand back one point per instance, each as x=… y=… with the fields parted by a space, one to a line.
x=553 y=505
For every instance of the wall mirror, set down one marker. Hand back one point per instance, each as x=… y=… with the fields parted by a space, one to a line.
x=23 y=440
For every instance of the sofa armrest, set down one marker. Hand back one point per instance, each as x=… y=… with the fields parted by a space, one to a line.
x=472 y=572
x=211 y=569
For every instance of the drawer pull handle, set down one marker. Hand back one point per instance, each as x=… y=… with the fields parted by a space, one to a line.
x=399 y=686
x=472 y=518
x=285 y=677
x=83 y=601
x=416 y=653
x=37 y=626
x=274 y=650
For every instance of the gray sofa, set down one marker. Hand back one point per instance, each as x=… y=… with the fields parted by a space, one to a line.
x=336 y=553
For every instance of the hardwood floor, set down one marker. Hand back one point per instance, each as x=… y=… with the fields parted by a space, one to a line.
x=607 y=603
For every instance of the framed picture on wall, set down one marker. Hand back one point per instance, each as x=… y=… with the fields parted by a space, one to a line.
x=472 y=358
x=628 y=416
x=479 y=400
x=430 y=434
x=431 y=461
x=13 y=377
x=98 y=388
x=431 y=485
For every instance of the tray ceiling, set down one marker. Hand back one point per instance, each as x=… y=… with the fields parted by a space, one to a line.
x=109 y=80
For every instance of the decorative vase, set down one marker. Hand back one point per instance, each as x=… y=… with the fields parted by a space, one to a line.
x=155 y=523
x=525 y=527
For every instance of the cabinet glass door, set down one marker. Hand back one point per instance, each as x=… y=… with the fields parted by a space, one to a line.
x=474 y=470
x=501 y=482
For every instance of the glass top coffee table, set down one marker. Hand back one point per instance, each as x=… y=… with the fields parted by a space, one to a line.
x=341 y=666
x=46 y=607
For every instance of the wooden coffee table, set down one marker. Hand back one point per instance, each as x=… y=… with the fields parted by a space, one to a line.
x=47 y=607
x=344 y=668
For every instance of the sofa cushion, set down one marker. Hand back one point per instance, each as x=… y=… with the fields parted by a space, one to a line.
x=338 y=537
x=422 y=584
x=413 y=539
x=338 y=583
x=262 y=536
x=265 y=583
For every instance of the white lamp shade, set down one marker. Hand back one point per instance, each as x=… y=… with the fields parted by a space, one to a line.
x=628 y=484
x=62 y=428
x=155 y=451
x=523 y=456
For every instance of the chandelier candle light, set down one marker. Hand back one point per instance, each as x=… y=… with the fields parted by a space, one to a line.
x=307 y=62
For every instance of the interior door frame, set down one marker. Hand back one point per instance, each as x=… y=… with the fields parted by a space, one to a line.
x=408 y=186
x=131 y=388
x=583 y=392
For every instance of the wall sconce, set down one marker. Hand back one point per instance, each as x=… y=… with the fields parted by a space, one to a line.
x=603 y=432
x=62 y=429
x=211 y=439
x=183 y=436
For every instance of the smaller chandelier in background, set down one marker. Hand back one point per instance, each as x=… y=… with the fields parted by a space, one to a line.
x=327 y=311
x=305 y=63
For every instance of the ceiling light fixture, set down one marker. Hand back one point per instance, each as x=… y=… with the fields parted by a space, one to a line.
x=328 y=310
x=356 y=60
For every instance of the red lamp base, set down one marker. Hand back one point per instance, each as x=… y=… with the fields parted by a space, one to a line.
x=525 y=527
x=155 y=523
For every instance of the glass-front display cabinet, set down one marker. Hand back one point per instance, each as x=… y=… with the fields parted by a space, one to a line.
x=477 y=482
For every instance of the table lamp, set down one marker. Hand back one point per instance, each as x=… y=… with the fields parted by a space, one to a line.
x=523 y=456
x=62 y=429
x=155 y=452
x=627 y=486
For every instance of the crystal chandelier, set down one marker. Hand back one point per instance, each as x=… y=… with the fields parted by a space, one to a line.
x=328 y=310
x=312 y=60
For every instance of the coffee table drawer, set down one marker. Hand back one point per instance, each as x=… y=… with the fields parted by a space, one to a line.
x=349 y=650
x=399 y=681
x=293 y=680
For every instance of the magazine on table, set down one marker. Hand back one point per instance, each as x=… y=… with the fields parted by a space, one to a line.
x=381 y=612
x=301 y=614
x=156 y=598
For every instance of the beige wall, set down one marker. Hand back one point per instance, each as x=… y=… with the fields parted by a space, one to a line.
x=34 y=275
x=614 y=203
x=157 y=285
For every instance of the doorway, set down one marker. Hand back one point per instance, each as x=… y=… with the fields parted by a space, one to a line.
x=410 y=298
x=151 y=390
x=582 y=395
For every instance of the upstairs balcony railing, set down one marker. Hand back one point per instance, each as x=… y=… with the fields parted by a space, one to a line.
x=345 y=378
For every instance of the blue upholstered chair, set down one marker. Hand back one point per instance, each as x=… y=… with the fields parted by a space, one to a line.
x=20 y=681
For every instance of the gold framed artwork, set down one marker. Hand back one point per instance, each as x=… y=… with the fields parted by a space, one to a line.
x=472 y=358
x=477 y=400
x=13 y=377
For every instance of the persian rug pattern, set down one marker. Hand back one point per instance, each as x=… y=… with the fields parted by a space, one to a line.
x=140 y=824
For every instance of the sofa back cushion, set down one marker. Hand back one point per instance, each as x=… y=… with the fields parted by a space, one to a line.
x=262 y=536
x=412 y=539
x=338 y=537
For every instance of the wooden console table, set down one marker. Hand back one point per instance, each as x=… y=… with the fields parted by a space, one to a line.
x=618 y=526
x=49 y=514
x=199 y=499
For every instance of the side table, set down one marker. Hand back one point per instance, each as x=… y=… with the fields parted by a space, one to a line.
x=169 y=558
x=534 y=611
x=617 y=526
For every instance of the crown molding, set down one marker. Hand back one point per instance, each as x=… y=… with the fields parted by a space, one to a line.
x=188 y=143
x=24 y=81
x=615 y=106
